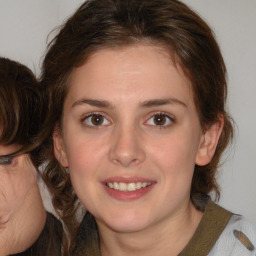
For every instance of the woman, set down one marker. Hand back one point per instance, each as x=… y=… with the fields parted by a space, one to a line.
x=22 y=215
x=136 y=93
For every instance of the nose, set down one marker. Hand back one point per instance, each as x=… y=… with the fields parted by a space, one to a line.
x=126 y=147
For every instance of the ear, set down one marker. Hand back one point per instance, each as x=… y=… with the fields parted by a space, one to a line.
x=209 y=142
x=59 y=148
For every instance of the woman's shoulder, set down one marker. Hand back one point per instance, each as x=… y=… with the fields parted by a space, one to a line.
x=238 y=238
x=221 y=232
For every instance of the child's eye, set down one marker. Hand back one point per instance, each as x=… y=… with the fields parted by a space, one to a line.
x=160 y=119
x=95 y=120
x=5 y=160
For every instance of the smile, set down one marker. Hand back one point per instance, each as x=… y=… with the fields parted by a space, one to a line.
x=127 y=187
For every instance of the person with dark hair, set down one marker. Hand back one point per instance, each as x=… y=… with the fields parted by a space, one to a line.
x=23 y=220
x=136 y=126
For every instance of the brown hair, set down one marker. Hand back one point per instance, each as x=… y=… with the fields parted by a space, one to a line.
x=100 y=24
x=20 y=107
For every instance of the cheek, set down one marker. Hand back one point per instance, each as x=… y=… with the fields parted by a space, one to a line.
x=84 y=166
x=175 y=152
x=84 y=157
x=176 y=163
x=82 y=170
x=81 y=161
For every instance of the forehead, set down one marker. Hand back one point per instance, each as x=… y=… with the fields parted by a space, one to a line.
x=133 y=73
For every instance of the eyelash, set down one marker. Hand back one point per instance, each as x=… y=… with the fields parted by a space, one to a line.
x=6 y=160
x=88 y=118
x=168 y=118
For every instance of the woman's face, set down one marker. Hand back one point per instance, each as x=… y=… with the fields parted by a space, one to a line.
x=22 y=215
x=131 y=137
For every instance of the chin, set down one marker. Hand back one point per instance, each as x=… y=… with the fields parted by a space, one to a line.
x=126 y=223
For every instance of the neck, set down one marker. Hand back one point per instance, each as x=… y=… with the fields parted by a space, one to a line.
x=167 y=237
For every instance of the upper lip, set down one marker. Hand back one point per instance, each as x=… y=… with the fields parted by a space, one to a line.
x=126 y=179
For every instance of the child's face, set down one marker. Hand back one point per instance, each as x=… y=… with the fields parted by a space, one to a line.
x=131 y=137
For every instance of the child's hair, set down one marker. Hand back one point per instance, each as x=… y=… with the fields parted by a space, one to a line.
x=20 y=107
x=100 y=24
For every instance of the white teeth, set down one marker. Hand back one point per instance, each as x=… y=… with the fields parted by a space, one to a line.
x=144 y=184
x=131 y=187
x=121 y=186
x=115 y=186
x=138 y=185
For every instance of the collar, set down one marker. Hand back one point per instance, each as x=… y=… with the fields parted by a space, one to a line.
x=213 y=222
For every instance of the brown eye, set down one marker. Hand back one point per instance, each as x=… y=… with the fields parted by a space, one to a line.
x=95 y=120
x=160 y=119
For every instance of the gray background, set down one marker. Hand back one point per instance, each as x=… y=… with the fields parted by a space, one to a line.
x=25 y=25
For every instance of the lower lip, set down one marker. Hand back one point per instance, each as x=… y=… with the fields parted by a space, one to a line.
x=128 y=195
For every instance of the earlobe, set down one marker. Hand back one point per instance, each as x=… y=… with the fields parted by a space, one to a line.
x=59 y=149
x=209 y=142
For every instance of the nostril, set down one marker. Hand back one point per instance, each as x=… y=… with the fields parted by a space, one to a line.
x=126 y=148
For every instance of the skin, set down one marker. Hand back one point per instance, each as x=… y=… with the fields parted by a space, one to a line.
x=129 y=89
x=22 y=215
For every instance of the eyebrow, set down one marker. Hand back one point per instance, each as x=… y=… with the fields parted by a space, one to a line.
x=94 y=103
x=161 y=102
x=145 y=104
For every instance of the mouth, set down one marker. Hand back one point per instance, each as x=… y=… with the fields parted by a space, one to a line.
x=128 y=187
